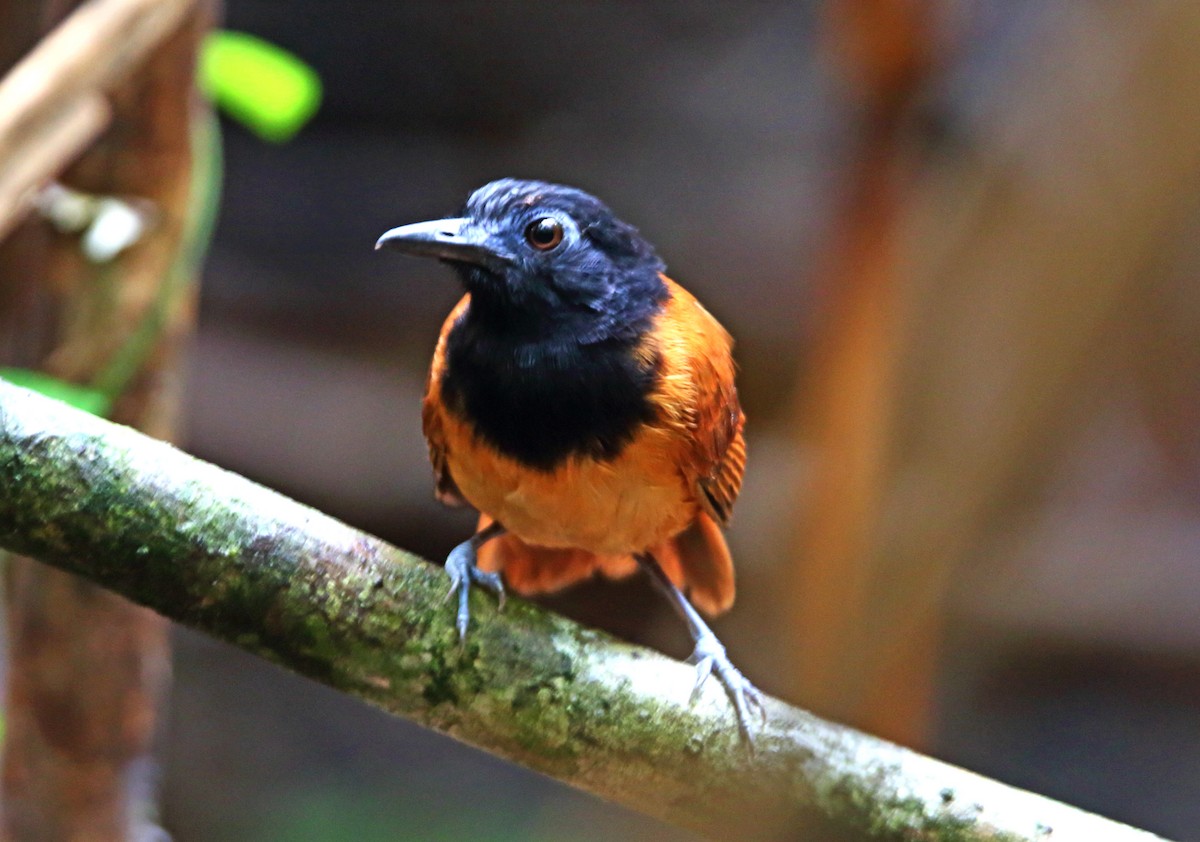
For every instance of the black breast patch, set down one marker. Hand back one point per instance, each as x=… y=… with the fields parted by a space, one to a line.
x=540 y=402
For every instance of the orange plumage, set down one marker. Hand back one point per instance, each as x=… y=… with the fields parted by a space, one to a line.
x=667 y=492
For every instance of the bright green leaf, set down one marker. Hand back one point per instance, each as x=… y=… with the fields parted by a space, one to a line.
x=80 y=397
x=266 y=88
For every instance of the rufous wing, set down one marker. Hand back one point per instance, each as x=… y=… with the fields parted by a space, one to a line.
x=717 y=453
x=715 y=458
x=431 y=414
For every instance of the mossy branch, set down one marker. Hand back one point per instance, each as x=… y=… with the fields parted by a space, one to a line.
x=218 y=553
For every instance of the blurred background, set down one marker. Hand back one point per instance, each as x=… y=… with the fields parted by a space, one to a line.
x=957 y=246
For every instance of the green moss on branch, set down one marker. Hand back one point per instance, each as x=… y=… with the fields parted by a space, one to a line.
x=220 y=554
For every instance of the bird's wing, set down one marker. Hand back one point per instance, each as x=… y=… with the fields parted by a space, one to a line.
x=720 y=444
x=720 y=486
x=431 y=414
x=705 y=395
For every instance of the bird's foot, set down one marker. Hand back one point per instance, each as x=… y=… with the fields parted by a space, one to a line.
x=710 y=659
x=463 y=572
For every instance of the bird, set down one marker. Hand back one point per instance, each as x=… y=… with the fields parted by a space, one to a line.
x=584 y=404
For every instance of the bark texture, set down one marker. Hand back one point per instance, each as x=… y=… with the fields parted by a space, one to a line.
x=223 y=555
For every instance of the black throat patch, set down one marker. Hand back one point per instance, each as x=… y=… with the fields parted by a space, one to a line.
x=541 y=401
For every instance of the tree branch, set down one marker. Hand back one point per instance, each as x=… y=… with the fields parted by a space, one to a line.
x=216 y=552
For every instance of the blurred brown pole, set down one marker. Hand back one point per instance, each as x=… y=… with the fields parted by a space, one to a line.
x=88 y=670
x=884 y=49
x=1012 y=260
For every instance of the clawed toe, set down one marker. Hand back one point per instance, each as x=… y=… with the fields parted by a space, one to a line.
x=704 y=668
x=710 y=658
x=491 y=581
x=463 y=573
x=709 y=655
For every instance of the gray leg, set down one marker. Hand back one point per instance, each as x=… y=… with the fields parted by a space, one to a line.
x=463 y=572
x=709 y=655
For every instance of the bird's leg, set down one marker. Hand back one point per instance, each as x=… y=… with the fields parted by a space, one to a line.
x=464 y=572
x=709 y=655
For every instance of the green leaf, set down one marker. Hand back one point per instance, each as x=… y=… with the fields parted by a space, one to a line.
x=80 y=397
x=264 y=87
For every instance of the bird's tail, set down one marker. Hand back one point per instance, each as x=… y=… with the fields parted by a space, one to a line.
x=696 y=560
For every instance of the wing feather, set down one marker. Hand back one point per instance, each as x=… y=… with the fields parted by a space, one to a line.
x=708 y=398
x=432 y=408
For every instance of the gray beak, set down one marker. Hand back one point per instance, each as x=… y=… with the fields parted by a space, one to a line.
x=457 y=240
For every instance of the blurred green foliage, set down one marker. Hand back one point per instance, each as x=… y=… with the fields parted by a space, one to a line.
x=80 y=397
x=335 y=815
x=266 y=88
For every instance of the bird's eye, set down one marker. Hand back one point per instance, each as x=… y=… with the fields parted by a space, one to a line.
x=545 y=233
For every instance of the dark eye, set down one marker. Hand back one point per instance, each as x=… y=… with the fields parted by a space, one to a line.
x=545 y=233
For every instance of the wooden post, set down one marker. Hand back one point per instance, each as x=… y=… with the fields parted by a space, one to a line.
x=87 y=669
x=886 y=51
x=1011 y=258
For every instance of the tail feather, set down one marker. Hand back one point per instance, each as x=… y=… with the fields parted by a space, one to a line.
x=696 y=560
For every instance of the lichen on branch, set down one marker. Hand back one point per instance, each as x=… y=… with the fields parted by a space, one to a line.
x=216 y=552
